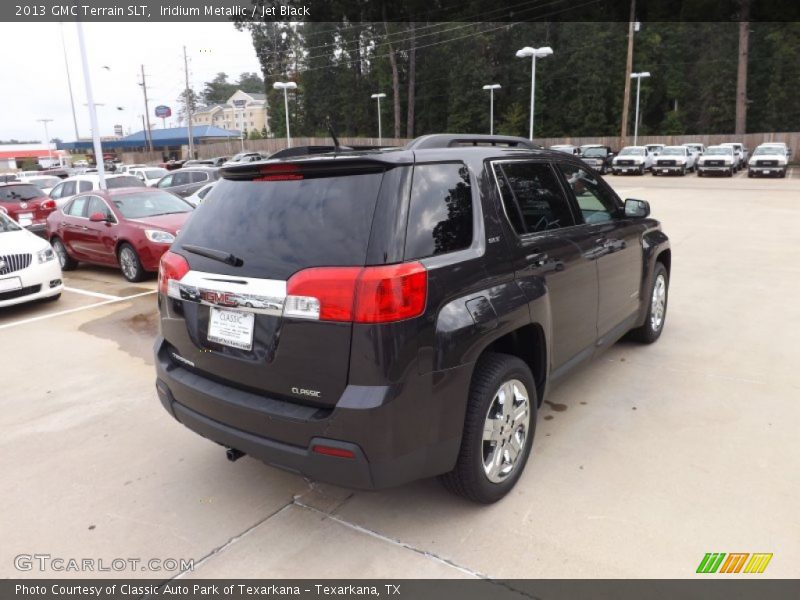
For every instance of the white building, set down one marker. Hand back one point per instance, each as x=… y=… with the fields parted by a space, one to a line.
x=242 y=112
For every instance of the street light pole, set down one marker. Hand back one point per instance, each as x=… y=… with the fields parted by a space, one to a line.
x=533 y=54
x=47 y=138
x=491 y=88
x=285 y=86
x=87 y=80
x=380 y=131
x=638 y=77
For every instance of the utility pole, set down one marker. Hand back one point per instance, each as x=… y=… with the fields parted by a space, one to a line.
x=147 y=133
x=741 y=74
x=626 y=101
x=188 y=99
x=69 y=83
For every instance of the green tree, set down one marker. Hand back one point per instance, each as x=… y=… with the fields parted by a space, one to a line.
x=218 y=90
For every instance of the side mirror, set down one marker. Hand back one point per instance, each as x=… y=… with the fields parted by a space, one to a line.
x=100 y=217
x=637 y=208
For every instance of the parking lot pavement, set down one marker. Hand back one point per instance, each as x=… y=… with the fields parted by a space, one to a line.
x=644 y=460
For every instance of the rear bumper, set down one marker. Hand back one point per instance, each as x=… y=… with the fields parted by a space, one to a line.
x=396 y=433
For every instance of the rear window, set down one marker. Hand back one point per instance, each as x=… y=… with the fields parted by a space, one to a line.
x=280 y=227
x=440 y=210
x=139 y=205
x=19 y=193
x=123 y=181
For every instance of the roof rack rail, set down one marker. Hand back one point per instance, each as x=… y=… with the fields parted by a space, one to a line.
x=454 y=140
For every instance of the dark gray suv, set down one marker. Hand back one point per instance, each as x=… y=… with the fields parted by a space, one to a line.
x=371 y=318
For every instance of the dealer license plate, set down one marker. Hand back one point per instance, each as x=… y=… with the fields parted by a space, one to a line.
x=10 y=284
x=232 y=328
x=765 y=171
x=25 y=219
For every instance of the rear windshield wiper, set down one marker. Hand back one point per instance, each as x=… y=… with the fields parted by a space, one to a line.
x=221 y=256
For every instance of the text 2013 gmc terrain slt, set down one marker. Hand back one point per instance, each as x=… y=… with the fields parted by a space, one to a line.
x=369 y=318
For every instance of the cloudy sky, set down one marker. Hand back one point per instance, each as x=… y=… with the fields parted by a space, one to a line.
x=35 y=79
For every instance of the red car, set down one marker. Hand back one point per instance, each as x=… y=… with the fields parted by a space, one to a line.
x=27 y=205
x=126 y=227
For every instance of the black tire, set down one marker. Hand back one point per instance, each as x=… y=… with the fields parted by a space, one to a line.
x=783 y=174
x=729 y=173
x=649 y=332
x=654 y=173
x=641 y=170
x=132 y=270
x=683 y=171
x=469 y=478
x=64 y=259
x=749 y=173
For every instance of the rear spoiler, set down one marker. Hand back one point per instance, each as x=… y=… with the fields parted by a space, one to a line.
x=322 y=166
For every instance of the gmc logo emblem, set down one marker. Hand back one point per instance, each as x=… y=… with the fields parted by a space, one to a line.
x=220 y=298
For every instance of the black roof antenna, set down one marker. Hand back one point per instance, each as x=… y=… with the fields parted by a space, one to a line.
x=333 y=135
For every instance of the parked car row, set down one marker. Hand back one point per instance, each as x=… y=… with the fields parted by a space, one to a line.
x=725 y=159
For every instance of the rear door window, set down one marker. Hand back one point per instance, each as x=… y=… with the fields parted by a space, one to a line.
x=69 y=189
x=199 y=176
x=532 y=197
x=84 y=186
x=440 y=210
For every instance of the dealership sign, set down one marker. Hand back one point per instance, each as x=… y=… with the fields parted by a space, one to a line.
x=163 y=111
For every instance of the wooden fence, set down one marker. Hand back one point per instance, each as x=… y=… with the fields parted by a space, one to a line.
x=268 y=146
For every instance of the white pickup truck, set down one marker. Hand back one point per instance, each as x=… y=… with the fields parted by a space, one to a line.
x=674 y=159
x=768 y=159
x=716 y=159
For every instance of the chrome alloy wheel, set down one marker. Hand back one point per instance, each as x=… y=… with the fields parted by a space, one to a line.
x=505 y=430
x=127 y=262
x=658 y=304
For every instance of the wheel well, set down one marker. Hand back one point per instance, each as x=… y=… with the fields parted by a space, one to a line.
x=528 y=344
x=119 y=245
x=665 y=258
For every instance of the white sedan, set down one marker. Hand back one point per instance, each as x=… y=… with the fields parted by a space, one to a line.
x=28 y=266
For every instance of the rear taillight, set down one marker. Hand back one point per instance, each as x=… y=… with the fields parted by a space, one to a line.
x=171 y=268
x=361 y=295
x=48 y=205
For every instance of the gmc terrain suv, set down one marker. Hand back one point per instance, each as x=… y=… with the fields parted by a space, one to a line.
x=369 y=318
